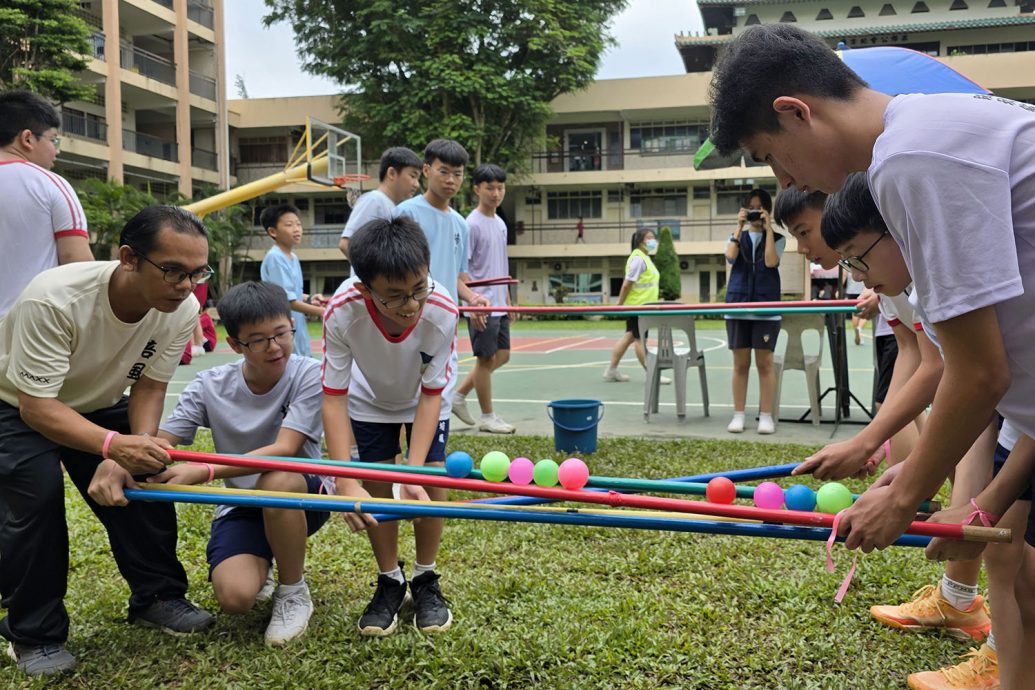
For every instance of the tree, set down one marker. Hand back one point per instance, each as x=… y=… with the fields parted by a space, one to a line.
x=479 y=71
x=667 y=263
x=108 y=206
x=42 y=44
x=229 y=231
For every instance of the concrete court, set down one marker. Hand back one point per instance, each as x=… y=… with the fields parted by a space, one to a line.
x=559 y=364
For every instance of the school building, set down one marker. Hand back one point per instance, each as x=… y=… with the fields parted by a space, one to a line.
x=159 y=119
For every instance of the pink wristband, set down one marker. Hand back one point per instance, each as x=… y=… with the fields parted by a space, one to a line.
x=107 y=443
x=211 y=470
x=986 y=518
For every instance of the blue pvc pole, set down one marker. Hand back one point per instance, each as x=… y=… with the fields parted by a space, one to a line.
x=504 y=515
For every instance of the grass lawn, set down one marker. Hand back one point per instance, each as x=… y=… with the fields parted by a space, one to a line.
x=535 y=606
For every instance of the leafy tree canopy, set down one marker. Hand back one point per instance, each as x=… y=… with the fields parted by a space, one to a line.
x=41 y=47
x=479 y=71
x=667 y=263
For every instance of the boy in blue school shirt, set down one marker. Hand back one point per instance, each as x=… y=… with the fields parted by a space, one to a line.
x=281 y=266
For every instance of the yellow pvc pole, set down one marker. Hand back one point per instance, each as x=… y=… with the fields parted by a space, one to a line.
x=238 y=195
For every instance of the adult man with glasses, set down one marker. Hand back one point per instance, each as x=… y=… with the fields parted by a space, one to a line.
x=74 y=340
x=43 y=224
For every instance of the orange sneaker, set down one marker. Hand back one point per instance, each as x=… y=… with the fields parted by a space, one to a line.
x=929 y=610
x=978 y=671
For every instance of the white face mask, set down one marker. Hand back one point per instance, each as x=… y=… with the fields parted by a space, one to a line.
x=651 y=245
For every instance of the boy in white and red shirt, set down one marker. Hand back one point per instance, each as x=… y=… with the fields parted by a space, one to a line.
x=43 y=224
x=388 y=355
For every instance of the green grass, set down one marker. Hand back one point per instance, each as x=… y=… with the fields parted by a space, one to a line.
x=535 y=606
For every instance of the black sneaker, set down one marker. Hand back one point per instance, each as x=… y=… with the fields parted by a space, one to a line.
x=381 y=616
x=431 y=609
x=42 y=660
x=173 y=616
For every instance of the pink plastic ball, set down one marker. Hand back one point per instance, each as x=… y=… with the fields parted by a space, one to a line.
x=573 y=474
x=768 y=495
x=520 y=471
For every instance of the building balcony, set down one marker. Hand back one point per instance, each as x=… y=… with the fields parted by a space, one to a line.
x=203 y=86
x=168 y=4
x=148 y=145
x=202 y=13
x=621 y=232
x=148 y=64
x=84 y=127
x=597 y=160
x=200 y=158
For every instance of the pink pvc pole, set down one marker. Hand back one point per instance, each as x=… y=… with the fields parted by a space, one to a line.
x=611 y=498
x=644 y=308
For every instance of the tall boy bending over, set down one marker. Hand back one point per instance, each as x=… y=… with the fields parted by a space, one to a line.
x=953 y=176
x=389 y=337
x=266 y=403
x=487 y=258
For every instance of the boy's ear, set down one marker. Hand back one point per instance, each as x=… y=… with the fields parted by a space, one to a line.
x=789 y=107
x=234 y=345
x=270 y=231
x=426 y=169
x=363 y=289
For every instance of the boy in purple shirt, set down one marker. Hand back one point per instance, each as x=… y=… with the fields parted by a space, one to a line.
x=487 y=258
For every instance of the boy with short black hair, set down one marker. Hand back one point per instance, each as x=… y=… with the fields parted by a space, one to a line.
x=389 y=355
x=487 y=258
x=281 y=266
x=43 y=224
x=266 y=403
x=399 y=177
x=959 y=205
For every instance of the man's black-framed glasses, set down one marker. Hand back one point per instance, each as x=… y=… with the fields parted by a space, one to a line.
x=175 y=276
x=259 y=345
x=856 y=262
x=397 y=302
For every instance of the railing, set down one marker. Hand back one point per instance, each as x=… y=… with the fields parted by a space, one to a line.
x=201 y=13
x=88 y=17
x=200 y=158
x=165 y=3
x=203 y=86
x=560 y=161
x=315 y=237
x=97 y=45
x=148 y=64
x=148 y=145
x=80 y=126
x=621 y=232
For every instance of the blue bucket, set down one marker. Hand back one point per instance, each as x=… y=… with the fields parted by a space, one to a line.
x=575 y=424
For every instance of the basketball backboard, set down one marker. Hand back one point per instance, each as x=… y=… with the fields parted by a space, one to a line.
x=332 y=155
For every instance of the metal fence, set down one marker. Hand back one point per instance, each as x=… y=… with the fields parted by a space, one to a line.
x=149 y=145
x=202 y=13
x=81 y=126
x=200 y=158
x=148 y=64
x=203 y=86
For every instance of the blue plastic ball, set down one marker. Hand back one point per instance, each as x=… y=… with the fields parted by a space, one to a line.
x=459 y=464
x=800 y=497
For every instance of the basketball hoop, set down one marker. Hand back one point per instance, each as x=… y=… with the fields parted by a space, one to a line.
x=342 y=180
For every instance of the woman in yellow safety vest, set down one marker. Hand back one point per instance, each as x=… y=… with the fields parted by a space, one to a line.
x=639 y=287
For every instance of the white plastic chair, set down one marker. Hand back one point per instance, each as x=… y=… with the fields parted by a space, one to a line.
x=794 y=357
x=665 y=355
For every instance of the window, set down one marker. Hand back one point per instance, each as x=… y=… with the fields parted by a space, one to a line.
x=667 y=137
x=855 y=12
x=958 y=5
x=788 y=17
x=330 y=211
x=730 y=197
x=751 y=20
x=704 y=193
x=997 y=3
x=614 y=196
x=887 y=10
x=577 y=282
x=571 y=205
x=919 y=7
x=824 y=14
x=982 y=48
x=263 y=150
x=704 y=286
x=650 y=203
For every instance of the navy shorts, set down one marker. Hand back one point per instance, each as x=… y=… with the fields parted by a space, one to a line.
x=379 y=441
x=241 y=531
x=745 y=334
x=632 y=325
x=494 y=337
x=887 y=353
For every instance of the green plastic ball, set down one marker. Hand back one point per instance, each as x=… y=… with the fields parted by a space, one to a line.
x=545 y=473
x=494 y=466
x=832 y=498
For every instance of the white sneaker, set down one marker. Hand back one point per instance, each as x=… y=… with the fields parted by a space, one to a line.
x=495 y=425
x=461 y=411
x=291 y=613
x=736 y=425
x=664 y=380
x=615 y=375
x=266 y=593
x=766 y=425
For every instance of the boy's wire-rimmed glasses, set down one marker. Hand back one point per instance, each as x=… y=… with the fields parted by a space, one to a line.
x=397 y=302
x=175 y=276
x=260 y=345
x=856 y=262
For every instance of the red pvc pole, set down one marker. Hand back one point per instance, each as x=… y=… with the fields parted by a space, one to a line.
x=499 y=280
x=664 y=307
x=611 y=498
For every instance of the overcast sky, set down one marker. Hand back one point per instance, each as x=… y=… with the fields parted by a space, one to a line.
x=266 y=58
